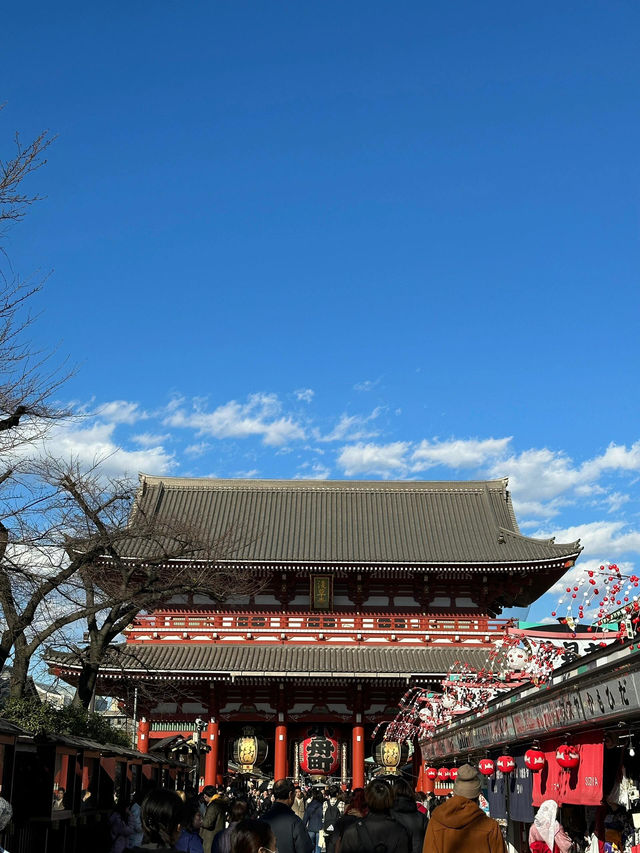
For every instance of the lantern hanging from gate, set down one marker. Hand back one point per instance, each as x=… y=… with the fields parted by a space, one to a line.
x=432 y=773
x=444 y=774
x=391 y=756
x=319 y=753
x=486 y=767
x=249 y=751
x=506 y=764
x=567 y=756
x=453 y=774
x=534 y=759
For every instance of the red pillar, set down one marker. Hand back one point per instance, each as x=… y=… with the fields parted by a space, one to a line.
x=357 y=757
x=143 y=735
x=211 y=759
x=280 y=755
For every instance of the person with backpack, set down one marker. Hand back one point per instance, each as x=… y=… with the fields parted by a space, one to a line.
x=378 y=832
x=330 y=818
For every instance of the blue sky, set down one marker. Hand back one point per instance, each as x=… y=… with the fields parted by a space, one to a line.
x=339 y=240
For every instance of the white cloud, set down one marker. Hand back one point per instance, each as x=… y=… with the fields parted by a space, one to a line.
x=602 y=540
x=198 y=449
x=352 y=428
x=538 y=477
x=313 y=472
x=458 y=453
x=366 y=385
x=259 y=416
x=121 y=412
x=384 y=460
x=96 y=443
x=148 y=439
x=305 y=395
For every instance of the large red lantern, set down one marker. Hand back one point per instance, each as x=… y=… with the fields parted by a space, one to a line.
x=319 y=755
x=567 y=756
x=534 y=759
x=453 y=774
x=486 y=767
x=443 y=774
x=506 y=764
x=432 y=773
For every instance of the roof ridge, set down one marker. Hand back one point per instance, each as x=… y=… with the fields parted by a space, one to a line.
x=205 y=483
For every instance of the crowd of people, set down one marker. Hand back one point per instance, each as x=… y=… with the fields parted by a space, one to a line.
x=385 y=817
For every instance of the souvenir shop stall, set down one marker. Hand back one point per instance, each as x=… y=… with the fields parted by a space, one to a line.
x=574 y=740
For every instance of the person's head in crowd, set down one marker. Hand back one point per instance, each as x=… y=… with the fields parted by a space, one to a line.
x=238 y=811
x=401 y=788
x=378 y=795
x=358 y=803
x=208 y=793
x=253 y=836
x=161 y=816
x=191 y=817
x=283 y=791
x=467 y=782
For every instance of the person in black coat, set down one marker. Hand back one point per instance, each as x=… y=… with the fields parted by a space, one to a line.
x=378 y=832
x=291 y=836
x=312 y=819
x=405 y=811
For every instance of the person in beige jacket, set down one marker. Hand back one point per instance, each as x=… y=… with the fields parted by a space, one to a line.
x=459 y=825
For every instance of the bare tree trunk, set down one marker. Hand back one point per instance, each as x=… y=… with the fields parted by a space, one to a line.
x=20 y=668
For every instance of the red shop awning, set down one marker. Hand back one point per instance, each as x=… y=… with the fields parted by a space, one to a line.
x=580 y=786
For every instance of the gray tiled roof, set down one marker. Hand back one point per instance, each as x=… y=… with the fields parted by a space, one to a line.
x=281 y=660
x=398 y=523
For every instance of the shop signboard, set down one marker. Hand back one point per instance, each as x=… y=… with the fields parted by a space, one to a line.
x=498 y=730
x=553 y=714
x=611 y=698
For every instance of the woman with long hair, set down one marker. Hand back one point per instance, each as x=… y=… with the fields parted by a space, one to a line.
x=161 y=817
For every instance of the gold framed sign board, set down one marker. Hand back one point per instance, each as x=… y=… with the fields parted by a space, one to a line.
x=321 y=592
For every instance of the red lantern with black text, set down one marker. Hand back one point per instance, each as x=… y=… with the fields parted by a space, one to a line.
x=432 y=773
x=534 y=759
x=319 y=754
x=506 y=764
x=443 y=774
x=486 y=767
x=453 y=774
x=567 y=756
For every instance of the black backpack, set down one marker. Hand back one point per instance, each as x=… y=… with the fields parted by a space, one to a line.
x=366 y=842
x=331 y=817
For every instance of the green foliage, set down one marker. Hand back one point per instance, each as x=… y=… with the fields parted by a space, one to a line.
x=41 y=718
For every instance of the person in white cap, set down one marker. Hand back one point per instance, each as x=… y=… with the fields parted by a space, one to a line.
x=459 y=825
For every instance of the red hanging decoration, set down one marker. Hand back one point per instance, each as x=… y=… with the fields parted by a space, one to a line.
x=486 y=767
x=432 y=773
x=453 y=773
x=567 y=756
x=506 y=764
x=443 y=774
x=534 y=759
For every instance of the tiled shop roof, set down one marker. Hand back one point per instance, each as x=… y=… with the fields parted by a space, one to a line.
x=235 y=661
x=348 y=522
